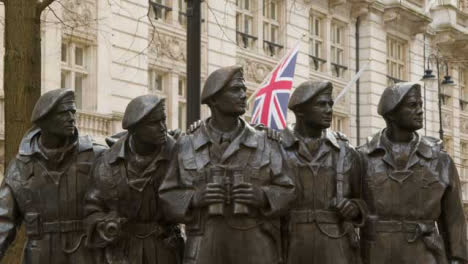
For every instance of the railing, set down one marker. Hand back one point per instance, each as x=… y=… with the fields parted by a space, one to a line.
x=246 y=40
x=182 y=19
x=160 y=11
x=316 y=62
x=271 y=47
x=339 y=69
x=95 y=125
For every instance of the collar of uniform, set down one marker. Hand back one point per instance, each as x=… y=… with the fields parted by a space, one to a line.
x=247 y=135
x=117 y=151
x=424 y=147
x=85 y=143
x=290 y=138
x=28 y=148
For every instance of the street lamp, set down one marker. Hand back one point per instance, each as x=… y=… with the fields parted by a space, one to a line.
x=428 y=78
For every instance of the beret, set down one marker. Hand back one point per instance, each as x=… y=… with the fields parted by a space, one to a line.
x=48 y=101
x=306 y=91
x=393 y=95
x=138 y=108
x=217 y=80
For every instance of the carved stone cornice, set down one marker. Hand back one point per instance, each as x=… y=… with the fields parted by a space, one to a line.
x=360 y=7
x=451 y=31
x=170 y=47
x=406 y=17
x=79 y=19
x=254 y=70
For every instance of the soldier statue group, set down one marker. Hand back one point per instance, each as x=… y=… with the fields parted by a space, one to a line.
x=225 y=192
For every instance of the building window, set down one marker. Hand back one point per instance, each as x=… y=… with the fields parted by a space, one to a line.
x=316 y=40
x=160 y=10
x=74 y=72
x=64 y=53
x=271 y=26
x=462 y=79
x=244 y=24
x=339 y=123
x=396 y=60
x=337 y=49
x=183 y=13
x=182 y=103
x=156 y=83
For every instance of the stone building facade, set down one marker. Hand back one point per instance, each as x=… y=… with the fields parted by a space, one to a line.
x=111 y=51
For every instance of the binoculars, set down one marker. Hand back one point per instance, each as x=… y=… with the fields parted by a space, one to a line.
x=228 y=178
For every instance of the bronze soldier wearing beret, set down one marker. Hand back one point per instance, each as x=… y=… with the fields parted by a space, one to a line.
x=412 y=189
x=122 y=207
x=325 y=170
x=226 y=182
x=45 y=184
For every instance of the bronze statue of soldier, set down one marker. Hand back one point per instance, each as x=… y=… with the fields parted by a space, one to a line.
x=412 y=189
x=45 y=184
x=123 y=213
x=325 y=169
x=226 y=182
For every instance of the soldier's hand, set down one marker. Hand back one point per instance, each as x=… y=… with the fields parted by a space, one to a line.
x=175 y=133
x=271 y=133
x=348 y=209
x=194 y=126
x=211 y=194
x=249 y=194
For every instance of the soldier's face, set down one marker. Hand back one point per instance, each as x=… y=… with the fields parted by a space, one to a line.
x=231 y=100
x=152 y=129
x=409 y=114
x=318 y=111
x=61 y=120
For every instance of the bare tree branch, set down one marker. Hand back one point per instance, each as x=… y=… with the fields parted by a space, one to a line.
x=44 y=4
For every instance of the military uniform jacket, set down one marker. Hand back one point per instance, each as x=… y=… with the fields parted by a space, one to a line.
x=49 y=203
x=251 y=238
x=316 y=232
x=407 y=204
x=114 y=194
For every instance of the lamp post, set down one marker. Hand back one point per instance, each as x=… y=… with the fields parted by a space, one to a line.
x=429 y=77
x=193 y=60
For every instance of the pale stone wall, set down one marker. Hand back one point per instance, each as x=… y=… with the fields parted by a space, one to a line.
x=124 y=46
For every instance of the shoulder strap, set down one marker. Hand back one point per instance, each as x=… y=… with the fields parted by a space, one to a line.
x=340 y=173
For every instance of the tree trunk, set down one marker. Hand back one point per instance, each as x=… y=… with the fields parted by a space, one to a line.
x=22 y=72
x=22 y=82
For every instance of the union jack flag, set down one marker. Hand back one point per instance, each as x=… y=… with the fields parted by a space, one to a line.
x=272 y=97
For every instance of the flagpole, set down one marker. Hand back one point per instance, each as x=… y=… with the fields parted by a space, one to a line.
x=277 y=64
x=352 y=81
